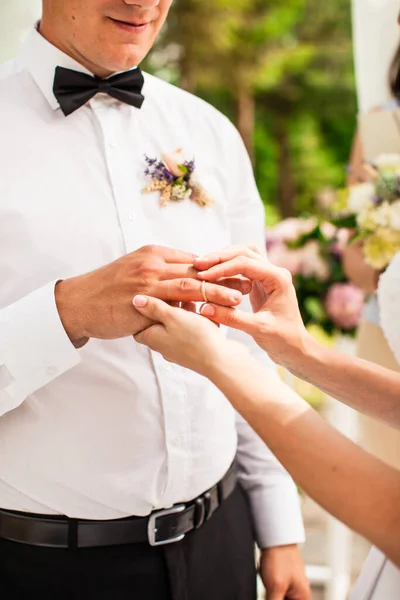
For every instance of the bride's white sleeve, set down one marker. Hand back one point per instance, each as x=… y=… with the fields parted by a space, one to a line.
x=389 y=305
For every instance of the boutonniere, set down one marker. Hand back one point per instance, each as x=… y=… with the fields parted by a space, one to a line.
x=173 y=177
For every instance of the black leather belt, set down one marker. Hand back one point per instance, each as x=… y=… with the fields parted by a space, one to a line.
x=161 y=527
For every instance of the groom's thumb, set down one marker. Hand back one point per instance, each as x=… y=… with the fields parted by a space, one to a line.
x=152 y=308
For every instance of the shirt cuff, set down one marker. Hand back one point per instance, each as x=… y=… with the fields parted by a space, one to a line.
x=34 y=347
x=286 y=526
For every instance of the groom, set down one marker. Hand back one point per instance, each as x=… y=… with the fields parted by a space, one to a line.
x=122 y=476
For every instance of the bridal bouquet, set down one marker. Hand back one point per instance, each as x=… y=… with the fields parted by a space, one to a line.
x=312 y=251
x=372 y=210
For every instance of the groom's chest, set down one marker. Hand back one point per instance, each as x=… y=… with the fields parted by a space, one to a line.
x=73 y=199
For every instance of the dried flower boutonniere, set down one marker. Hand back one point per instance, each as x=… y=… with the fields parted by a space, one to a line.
x=173 y=178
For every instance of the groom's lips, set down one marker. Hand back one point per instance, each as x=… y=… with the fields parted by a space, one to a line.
x=131 y=26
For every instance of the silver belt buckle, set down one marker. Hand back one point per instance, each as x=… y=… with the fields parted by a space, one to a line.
x=152 y=526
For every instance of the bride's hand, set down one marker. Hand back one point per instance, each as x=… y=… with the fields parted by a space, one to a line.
x=182 y=336
x=276 y=323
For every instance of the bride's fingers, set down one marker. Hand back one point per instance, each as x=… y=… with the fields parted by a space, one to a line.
x=215 y=258
x=269 y=275
x=230 y=317
x=240 y=283
x=153 y=308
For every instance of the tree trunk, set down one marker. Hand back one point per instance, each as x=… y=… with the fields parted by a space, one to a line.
x=246 y=115
x=286 y=183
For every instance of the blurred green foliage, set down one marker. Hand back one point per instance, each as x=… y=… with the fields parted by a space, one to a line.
x=283 y=72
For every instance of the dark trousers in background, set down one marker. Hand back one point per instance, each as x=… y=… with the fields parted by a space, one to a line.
x=215 y=562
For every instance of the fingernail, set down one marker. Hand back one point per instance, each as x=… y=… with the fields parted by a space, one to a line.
x=236 y=298
x=208 y=310
x=139 y=301
x=247 y=287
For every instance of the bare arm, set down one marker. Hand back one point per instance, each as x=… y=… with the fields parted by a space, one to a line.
x=356 y=171
x=352 y=485
x=366 y=387
x=349 y=483
x=277 y=327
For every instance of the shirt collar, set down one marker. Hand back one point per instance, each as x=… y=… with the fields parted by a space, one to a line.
x=41 y=58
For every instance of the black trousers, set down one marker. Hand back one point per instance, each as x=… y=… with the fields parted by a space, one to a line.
x=215 y=562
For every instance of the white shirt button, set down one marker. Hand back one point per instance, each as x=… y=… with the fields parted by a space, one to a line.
x=132 y=216
x=51 y=371
x=178 y=441
x=167 y=366
x=113 y=144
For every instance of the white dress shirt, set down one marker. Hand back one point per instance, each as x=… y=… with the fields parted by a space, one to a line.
x=113 y=430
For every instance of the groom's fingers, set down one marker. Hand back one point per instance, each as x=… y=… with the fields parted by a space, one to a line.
x=215 y=258
x=189 y=307
x=230 y=317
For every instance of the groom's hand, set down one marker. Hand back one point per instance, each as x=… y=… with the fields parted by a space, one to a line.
x=99 y=304
x=283 y=574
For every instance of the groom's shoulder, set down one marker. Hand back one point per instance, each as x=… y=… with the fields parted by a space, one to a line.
x=9 y=71
x=180 y=101
x=13 y=85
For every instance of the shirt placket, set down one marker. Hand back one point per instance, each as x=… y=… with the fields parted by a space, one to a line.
x=172 y=387
x=177 y=431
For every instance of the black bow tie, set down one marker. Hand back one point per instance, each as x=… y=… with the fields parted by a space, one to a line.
x=74 y=89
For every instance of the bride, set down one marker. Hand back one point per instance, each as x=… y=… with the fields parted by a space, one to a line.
x=352 y=485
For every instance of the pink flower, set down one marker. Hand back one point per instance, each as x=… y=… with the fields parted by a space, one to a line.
x=341 y=241
x=173 y=160
x=344 y=304
x=312 y=263
x=289 y=230
x=282 y=256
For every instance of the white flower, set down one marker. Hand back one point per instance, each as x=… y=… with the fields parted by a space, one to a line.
x=387 y=161
x=381 y=215
x=328 y=230
x=386 y=216
x=361 y=197
x=181 y=192
x=394 y=215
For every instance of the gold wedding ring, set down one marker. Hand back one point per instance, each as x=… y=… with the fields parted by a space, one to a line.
x=203 y=291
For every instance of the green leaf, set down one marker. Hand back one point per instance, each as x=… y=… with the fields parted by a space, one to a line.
x=315 y=308
x=359 y=235
x=346 y=222
x=184 y=169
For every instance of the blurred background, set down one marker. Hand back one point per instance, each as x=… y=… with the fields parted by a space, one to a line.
x=294 y=76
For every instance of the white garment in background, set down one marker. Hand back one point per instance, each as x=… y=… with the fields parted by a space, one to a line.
x=376 y=37
x=389 y=304
x=380 y=579
x=114 y=430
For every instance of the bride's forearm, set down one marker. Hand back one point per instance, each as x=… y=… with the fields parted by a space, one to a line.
x=368 y=388
x=349 y=483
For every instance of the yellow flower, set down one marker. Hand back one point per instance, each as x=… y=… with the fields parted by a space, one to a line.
x=366 y=220
x=380 y=248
